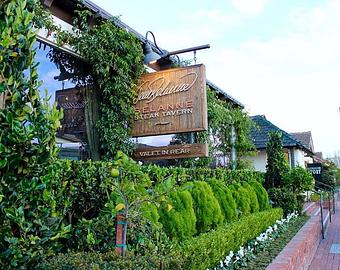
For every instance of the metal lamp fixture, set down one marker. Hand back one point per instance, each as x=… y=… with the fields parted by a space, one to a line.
x=152 y=57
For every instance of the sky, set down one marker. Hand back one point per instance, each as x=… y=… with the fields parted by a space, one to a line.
x=280 y=58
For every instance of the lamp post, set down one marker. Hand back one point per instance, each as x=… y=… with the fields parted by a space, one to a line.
x=152 y=57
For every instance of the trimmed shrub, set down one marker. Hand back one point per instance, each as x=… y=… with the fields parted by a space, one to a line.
x=285 y=199
x=205 y=250
x=261 y=193
x=225 y=199
x=108 y=261
x=253 y=203
x=150 y=212
x=277 y=165
x=207 y=209
x=241 y=197
x=182 y=175
x=177 y=215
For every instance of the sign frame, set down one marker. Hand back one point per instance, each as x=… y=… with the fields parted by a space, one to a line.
x=171 y=101
x=316 y=170
x=175 y=151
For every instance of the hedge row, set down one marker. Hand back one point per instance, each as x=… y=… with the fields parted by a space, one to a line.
x=197 y=207
x=78 y=204
x=108 y=261
x=201 y=252
x=182 y=175
x=207 y=249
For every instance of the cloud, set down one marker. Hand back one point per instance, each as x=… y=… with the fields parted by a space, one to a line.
x=214 y=16
x=294 y=79
x=251 y=7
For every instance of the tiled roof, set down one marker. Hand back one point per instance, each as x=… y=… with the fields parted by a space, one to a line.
x=319 y=155
x=260 y=134
x=305 y=138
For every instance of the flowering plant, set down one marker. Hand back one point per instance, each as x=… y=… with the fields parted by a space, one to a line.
x=239 y=259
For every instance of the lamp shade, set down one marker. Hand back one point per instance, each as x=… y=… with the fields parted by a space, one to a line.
x=150 y=55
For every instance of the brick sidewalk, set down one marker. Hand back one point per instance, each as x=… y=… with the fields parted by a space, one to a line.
x=323 y=259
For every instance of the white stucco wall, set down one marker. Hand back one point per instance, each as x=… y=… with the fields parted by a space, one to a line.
x=259 y=161
x=299 y=158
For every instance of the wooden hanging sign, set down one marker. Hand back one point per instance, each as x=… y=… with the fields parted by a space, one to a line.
x=171 y=152
x=171 y=101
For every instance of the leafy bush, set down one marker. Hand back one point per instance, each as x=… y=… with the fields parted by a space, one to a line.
x=183 y=175
x=225 y=199
x=109 y=261
x=205 y=250
x=241 y=197
x=97 y=234
x=298 y=180
x=177 y=215
x=30 y=225
x=314 y=197
x=261 y=193
x=285 y=199
x=207 y=209
x=327 y=178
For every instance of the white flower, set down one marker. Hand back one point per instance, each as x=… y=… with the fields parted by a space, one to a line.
x=269 y=230
x=221 y=263
x=279 y=222
x=227 y=260
x=140 y=163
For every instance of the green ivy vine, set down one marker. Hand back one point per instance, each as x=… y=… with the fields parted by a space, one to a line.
x=27 y=145
x=222 y=116
x=115 y=59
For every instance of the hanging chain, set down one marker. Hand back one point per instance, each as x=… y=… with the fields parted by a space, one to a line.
x=195 y=58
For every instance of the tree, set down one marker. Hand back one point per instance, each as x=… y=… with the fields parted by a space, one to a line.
x=327 y=177
x=277 y=165
x=298 y=180
x=29 y=224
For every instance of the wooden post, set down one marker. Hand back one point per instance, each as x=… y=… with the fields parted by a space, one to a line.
x=2 y=96
x=2 y=101
x=120 y=234
x=91 y=118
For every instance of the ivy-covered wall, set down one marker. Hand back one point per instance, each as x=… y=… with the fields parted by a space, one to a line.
x=115 y=59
